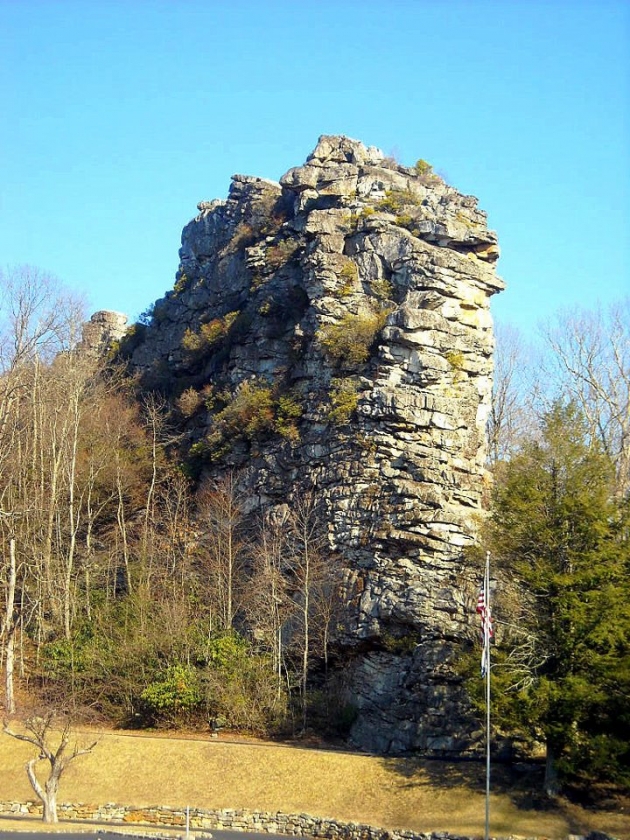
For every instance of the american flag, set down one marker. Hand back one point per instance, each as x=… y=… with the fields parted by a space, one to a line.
x=483 y=609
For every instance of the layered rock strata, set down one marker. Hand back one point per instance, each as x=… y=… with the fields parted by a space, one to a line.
x=355 y=295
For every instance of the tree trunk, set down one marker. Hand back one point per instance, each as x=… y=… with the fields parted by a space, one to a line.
x=9 y=628
x=51 y=787
x=306 y=583
x=122 y=526
x=552 y=785
x=48 y=795
x=50 y=807
x=9 y=694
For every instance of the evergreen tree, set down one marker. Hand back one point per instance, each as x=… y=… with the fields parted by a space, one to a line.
x=560 y=540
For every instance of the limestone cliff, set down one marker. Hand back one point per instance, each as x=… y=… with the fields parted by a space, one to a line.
x=352 y=299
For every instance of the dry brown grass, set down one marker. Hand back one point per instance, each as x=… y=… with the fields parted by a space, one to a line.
x=215 y=773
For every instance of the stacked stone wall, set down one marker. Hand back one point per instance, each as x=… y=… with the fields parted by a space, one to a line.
x=263 y=822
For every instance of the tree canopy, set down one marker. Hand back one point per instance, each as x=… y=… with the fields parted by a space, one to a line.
x=559 y=536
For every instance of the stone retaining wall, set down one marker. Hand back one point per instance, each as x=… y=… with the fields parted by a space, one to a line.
x=294 y=825
x=271 y=822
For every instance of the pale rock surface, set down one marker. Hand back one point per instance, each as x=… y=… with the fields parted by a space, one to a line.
x=103 y=330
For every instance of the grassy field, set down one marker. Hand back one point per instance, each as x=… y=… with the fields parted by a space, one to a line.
x=141 y=769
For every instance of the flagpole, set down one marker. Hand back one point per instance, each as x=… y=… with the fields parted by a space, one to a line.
x=486 y=642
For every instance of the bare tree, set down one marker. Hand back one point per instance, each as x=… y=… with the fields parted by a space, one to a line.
x=311 y=571
x=511 y=412
x=591 y=364
x=38 y=321
x=220 y=514
x=8 y=627
x=295 y=591
x=269 y=606
x=52 y=744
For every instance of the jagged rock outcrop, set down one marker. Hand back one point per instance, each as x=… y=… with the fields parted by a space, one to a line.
x=102 y=331
x=352 y=299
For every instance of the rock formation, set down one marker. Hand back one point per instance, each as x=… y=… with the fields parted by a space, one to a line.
x=102 y=331
x=351 y=300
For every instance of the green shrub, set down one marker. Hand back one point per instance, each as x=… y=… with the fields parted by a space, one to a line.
x=407 y=221
x=346 y=716
x=382 y=289
x=180 y=283
x=173 y=697
x=281 y=307
x=198 y=449
x=192 y=464
x=350 y=221
x=288 y=411
x=251 y=411
x=349 y=271
x=399 y=203
x=217 y=328
x=159 y=311
x=399 y=645
x=267 y=217
x=349 y=275
x=240 y=685
x=466 y=220
x=64 y=657
x=192 y=341
x=209 y=396
x=396 y=200
x=455 y=358
x=146 y=318
x=188 y=402
x=273 y=223
x=422 y=167
x=258 y=279
x=197 y=343
x=349 y=339
x=227 y=651
x=344 y=399
x=249 y=415
x=366 y=443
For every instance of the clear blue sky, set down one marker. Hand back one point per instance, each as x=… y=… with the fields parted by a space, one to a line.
x=118 y=117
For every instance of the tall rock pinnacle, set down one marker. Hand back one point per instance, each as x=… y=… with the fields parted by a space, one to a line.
x=355 y=294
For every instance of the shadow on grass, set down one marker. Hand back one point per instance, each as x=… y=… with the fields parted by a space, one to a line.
x=522 y=782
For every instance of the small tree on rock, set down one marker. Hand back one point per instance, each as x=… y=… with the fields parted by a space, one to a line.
x=52 y=742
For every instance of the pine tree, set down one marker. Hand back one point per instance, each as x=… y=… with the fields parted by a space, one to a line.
x=562 y=538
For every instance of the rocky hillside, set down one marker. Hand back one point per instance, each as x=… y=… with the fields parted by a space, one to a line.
x=332 y=331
